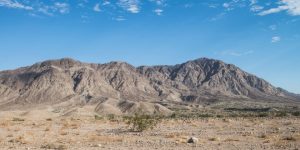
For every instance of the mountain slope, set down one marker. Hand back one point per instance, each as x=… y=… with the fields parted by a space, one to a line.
x=72 y=83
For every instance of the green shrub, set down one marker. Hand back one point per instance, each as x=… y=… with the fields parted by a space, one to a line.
x=110 y=116
x=97 y=117
x=296 y=113
x=204 y=115
x=281 y=114
x=141 y=122
x=173 y=116
x=18 y=119
x=263 y=114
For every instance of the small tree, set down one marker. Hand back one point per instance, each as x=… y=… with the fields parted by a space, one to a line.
x=142 y=122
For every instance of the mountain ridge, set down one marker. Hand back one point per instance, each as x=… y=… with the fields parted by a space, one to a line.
x=200 y=81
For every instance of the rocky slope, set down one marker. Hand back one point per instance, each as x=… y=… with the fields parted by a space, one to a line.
x=118 y=87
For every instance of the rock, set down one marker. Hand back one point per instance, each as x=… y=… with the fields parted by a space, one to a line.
x=193 y=140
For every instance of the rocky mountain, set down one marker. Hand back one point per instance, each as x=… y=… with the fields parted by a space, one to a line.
x=119 y=87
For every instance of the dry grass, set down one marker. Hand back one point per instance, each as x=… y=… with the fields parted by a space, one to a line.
x=289 y=138
x=105 y=139
x=231 y=140
x=18 y=119
x=63 y=133
x=19 y=139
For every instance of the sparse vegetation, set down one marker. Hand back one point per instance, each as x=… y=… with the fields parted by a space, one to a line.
x=112 y=117
x=48 y=119
x=142 y=122
x=54 y=146
x=18 y=119
x=97 y=117
x=289 y=138
x=296 y=113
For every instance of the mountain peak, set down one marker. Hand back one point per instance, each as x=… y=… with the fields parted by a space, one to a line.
x=63 y=63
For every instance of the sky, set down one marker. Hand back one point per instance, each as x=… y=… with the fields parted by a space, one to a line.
x=261 y=37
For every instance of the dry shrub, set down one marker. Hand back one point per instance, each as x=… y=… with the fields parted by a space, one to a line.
x=74 y=126
x=296 y=113
x=176 y=135
x=214 y=139
x=54 y=146
x=48 y=119
x=142 y=122
x=263 y=136
x=18 y=119
x=9 y=135
x=231 y=140
x=289 y=138
x=108 y=139
x=97 y=117
x=4 y=124
x=19 y=140
x=63 y=133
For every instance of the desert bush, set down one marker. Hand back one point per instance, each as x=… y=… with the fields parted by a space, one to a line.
x=142 y=122
x=111 y=117
x=97 y=117
x=48 y=119
x=53 y=146
x=263 y=114
x=289 y=138
x=18 y=119
x=296 y=113
x=204 y=115
x=281 y=114
x=173 y=115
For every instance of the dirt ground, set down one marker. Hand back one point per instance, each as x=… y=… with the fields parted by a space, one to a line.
x=38 y=131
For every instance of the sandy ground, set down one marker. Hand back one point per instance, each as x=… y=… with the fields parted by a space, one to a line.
x=41 y=131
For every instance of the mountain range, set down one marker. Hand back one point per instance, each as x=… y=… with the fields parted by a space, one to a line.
x=120 y=88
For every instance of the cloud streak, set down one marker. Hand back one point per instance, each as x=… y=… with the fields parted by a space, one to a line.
x=291 y=6
x=235 y=53
x=275 y=39
x=14 y=4
x=55 y=7
x=131 y=6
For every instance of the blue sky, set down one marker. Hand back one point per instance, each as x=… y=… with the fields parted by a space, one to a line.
x=260 y=36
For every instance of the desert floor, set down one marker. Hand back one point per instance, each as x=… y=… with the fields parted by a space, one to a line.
x=35 y=130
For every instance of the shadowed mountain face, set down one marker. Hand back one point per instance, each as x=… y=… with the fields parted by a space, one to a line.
x=76 y=83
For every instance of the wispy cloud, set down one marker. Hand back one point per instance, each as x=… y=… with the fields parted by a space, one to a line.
x=252 y=2
x=55 y=7
x=291 y=6
x=235 y=53
x=231 y=5
x=273 y=27
x=275 y=39
x=106 y=2
x=159 y=2
x=130 y=5
x=256 y=8
x=97 y=7
x=119 y=18
x=63 y=8
x=218 y=16
x=158 y=11
x=14 y=4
